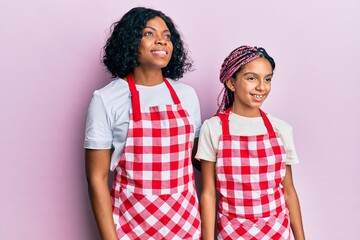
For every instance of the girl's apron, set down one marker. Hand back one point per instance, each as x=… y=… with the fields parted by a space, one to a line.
x=153 y=193
x=249 y=172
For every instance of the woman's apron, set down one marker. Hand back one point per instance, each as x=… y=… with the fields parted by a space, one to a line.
x=153 y=193
x=249 y=172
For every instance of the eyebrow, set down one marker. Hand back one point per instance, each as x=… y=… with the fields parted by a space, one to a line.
x=154 y=29
x=247 y=73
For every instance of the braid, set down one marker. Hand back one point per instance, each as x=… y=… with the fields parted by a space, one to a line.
x=232 y=65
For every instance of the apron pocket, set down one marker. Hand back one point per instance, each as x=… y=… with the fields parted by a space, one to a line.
x=173 y=216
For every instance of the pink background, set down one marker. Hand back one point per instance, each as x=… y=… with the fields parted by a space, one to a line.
x=50 y=66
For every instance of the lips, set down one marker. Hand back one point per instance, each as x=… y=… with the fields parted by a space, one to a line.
x=258 y=97
x=160 y=53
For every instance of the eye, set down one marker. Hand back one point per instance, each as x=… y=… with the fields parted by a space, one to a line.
x=251 y=78
x=167 y=36
x=268 y=79
x=148 y=34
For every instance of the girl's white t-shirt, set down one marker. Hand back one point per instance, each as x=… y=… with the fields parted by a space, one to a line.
x=108 y=114
x=211 y=131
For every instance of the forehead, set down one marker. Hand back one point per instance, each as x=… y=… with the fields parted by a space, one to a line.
x=258 y=65
x=158 y=23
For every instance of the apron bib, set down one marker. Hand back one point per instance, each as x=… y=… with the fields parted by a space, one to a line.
x=153 y=193
x=249 y=173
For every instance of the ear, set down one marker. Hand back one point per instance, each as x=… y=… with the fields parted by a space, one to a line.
x=230 y=84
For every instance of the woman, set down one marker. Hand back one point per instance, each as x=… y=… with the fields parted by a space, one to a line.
x=247 y=156
x=142 y=125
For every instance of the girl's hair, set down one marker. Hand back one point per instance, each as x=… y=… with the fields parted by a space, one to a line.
x=233 y=64
x=121 y=49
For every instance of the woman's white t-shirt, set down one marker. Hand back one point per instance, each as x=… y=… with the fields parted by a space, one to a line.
x=108 y=114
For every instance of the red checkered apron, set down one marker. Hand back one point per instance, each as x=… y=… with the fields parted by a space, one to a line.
x=249 y=172
x=153 y=193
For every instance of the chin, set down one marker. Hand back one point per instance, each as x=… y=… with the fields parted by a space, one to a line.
x=256 y=105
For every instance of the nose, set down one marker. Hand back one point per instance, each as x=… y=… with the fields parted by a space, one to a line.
x=260 y=86
x=160 y=40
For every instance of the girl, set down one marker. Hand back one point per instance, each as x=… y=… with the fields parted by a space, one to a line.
x=247 y=156
x=142 y=125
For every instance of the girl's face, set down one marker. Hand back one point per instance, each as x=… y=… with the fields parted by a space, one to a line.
x=155 y=48
x=251 y=86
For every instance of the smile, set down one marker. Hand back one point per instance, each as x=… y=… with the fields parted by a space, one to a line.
x=159 y=52
x=258 y=97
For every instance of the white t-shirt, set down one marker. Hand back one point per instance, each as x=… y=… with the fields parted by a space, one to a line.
x=108 y=114
x=211 y=131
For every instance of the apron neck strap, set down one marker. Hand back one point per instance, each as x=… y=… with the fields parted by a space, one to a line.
x=224 y=117
x=267 y=123
x=135 y=97
x=172 y=92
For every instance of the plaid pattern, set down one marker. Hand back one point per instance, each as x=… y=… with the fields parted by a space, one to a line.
x=157 y=156
x=270 y=228
x=249 y=172
x=161 y=217
x=153 y=193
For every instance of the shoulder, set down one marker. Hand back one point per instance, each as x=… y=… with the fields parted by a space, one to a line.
x=279 y=124
x=113 y=99
x=212 y=126
x=284 y=130
x=115 y=88
x=214 y=121
x=188 y=97
x=182 y=88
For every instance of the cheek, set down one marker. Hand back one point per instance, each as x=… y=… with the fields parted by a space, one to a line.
x=241 y=93
x=144 y=44
x=143 y=49
x=269 y=87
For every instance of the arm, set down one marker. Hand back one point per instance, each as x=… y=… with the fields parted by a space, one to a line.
x=293 y=205
x=97 y=163
x=195 y=162
x=208 y=200
x=195 y=113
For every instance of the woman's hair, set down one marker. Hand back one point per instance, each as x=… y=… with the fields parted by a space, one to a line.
x=121 y=49
x=233 y=64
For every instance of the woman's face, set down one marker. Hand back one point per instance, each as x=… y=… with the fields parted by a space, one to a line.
x=251 y=86
x=155 y=48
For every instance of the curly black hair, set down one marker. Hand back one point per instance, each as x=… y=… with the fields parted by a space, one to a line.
x=121 y=49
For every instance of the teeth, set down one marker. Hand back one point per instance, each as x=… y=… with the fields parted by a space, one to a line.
x=258 y=96
x=159 y=52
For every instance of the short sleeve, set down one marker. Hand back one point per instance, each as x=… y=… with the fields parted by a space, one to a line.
x=190 y=102
x=288 y=140
x=206 y=147
x=98 y=133
x=197 y=116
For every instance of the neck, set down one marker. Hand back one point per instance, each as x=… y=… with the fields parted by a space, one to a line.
x=246 y=111
x=147 y=78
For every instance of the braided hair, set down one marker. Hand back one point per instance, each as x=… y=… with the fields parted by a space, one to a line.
x=233 y=64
